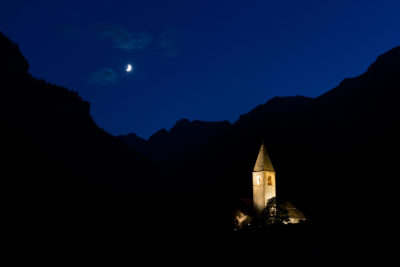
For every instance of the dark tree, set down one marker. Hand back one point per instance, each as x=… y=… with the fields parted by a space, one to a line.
x=274 y=214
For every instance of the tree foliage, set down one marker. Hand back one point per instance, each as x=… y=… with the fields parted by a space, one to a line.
x=274 y=214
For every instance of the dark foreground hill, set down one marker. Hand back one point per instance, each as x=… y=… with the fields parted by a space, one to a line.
x=335 y=157
x=57 y=163
x=64 y=172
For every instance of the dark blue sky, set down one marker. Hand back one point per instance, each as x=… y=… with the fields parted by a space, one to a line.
x=206 y=60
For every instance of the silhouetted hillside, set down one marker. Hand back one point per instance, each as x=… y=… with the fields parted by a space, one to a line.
x=58 y=161
x=331 y=153
x=335 y=155
x=273 y=109
x=183 y=140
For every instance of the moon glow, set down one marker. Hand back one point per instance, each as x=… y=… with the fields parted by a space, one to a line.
x=129 y=68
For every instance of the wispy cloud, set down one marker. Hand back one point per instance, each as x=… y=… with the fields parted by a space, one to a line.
x=123 y=39
x=102 y=76
x=168 y=42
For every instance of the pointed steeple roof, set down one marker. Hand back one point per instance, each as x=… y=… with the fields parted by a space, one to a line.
x=263 y=162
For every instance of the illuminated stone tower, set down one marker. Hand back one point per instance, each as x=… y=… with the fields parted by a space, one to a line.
x=263 y=181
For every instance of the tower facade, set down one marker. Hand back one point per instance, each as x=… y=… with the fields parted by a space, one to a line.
x=264 y=186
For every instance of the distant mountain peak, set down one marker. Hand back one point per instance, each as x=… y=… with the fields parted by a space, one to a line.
x=160 y=133
x=182 y=123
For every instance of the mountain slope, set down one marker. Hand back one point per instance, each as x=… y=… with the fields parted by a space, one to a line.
x=330 y=152
x=184 y=139
x=58 y=162
x=335 y=155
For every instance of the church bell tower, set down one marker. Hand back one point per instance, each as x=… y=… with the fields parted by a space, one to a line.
x=263 y=181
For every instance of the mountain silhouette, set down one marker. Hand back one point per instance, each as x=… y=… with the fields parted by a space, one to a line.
x=169 y=147
x=335 y=155
x=58 y=162
x=331 y=152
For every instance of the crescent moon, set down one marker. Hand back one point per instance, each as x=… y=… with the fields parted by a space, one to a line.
x=129 y=68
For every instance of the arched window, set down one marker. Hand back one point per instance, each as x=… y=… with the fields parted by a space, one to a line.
x=269 y=180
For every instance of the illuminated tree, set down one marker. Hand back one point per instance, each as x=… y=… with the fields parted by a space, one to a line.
x=274 y=214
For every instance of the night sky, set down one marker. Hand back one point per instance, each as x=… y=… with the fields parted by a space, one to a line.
x=206 y=60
